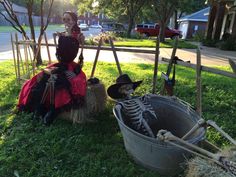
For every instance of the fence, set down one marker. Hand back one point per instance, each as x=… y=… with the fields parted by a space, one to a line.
x=25 y=67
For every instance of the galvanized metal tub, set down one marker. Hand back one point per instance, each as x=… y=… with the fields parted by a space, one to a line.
x=174 y=116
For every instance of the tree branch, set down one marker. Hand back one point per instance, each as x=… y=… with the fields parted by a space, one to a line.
x=12 y=24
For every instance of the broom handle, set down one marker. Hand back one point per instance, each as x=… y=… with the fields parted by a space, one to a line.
x=96 y=57
x=115 y=55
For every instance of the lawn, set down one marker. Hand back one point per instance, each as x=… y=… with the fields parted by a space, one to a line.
x=152 y=43
x=11 y=29
x=30 y=149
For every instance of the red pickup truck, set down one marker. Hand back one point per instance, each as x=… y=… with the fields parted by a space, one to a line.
x=153 y=30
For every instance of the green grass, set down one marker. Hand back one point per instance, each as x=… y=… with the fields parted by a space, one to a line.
x=96 y=150
x=11 y=29
x=152 y=43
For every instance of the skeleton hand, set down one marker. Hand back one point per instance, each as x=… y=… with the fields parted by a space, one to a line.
x=81 y=38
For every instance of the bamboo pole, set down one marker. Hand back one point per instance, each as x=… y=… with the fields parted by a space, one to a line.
x=32 y=61
x=96 y=57
x=26 y=59
x=199 y=83
x=17 y=57
x=156 y=65
x=48 y=51
x=21 y=62
x=115 y=55
x=30 y=55
x=14 y=55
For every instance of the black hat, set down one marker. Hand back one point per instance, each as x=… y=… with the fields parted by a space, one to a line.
x=67 y=49
x=113 y=90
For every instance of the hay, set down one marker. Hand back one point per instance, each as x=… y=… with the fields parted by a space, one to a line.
x=95 y=102
x=199 y=167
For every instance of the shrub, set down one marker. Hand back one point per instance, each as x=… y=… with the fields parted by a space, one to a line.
x=209 y=42
x=199 y=36
x=105 y=36
x=227 y=44
x=136 y=35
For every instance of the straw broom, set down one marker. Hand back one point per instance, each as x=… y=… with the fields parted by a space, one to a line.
x=199 y=167
x=95 y=99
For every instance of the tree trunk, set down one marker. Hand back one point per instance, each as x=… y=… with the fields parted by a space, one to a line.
x=176 y=16
x=32 y=31
x=219 y=21
x=162 y=31
x=234 y=28
x=211 y=19
x=130 y=26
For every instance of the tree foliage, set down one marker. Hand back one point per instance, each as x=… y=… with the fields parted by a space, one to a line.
x=125 y=11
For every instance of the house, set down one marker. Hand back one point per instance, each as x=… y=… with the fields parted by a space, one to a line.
x=222 y=19
x=91 y=19
x=194 y=23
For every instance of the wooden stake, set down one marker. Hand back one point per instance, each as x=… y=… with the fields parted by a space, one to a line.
x=46 y=41
x=96 y=57
x=198 y=83
x=171 y=61
x=55 y=38
x=17 y=57
x=156 y=65
x=233 y=65
x=14 y=55
x=115 y=55
x=172 y=56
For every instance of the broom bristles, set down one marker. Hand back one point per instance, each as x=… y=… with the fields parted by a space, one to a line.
x=199 y=167
x=95 y=102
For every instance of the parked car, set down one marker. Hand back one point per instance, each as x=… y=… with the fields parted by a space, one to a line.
x=84 y=27
x=117 y=28
x=153 y=30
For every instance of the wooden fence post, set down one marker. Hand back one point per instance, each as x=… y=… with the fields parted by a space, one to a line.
x=156 y=65
x=199 y=83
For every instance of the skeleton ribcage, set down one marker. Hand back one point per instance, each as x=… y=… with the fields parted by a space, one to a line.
x=140 y=112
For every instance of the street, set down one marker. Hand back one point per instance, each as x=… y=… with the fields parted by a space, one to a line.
x=210 y=56
x=5 y=37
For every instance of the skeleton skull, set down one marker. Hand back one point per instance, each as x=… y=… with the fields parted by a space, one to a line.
x=68 y=22
x=126 y=89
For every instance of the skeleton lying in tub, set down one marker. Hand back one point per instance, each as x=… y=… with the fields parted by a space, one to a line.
x=139 y=112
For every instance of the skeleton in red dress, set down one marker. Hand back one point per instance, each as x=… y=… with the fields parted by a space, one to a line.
x=69 y=84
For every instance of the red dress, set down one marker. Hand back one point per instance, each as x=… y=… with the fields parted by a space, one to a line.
x=62 y=96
